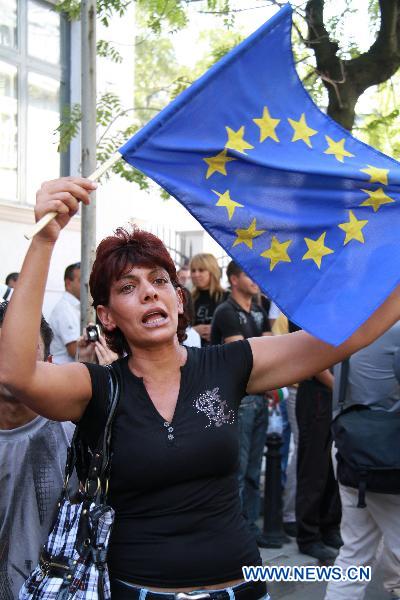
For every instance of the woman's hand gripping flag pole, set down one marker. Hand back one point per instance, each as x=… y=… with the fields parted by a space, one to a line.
x=93 y=177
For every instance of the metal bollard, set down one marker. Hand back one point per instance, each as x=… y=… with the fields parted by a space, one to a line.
x=273 y=528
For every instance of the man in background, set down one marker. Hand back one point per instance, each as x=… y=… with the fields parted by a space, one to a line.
x=32 y=458
x=65 y=317
x=318 y=510
x=373 y=380
x=183 y=274
x=239 y=318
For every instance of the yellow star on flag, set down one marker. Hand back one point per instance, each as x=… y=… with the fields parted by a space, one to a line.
x=277 y=252
x=302 y=131
x=267 y=126
x=246 y=236
x=337 y=148
x=376 y=199
x=317 y=249
x=217 y=164
x=376 y=175
x=226 y=201
x=353 y=229
x=236 y=140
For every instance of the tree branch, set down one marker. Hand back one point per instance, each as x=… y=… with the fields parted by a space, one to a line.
x=346 y=80
x=318 y=39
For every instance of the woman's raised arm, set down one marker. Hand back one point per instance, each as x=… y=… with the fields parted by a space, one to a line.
x=59 y=392
x=285 y=359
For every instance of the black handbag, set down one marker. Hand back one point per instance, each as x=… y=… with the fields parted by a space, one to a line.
x=73 y=562
x=368 y=444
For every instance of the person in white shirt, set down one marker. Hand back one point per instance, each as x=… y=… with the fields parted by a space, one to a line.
x=5 y=292
x=65 y=317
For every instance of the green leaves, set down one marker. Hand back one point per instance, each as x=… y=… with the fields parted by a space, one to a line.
x=108 y=108
x=70 y=8
x=69 y=126
x=107 y=50
x=106 y=9
x=163 y=14
x=108 y=145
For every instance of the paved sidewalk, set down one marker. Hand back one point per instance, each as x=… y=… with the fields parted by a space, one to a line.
x=289 y=555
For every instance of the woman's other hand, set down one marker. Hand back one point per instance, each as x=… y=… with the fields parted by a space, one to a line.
x=92 y=352
x=105 y=356
x=85 y=351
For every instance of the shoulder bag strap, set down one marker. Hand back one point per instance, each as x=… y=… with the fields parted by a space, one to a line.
x=97 y=479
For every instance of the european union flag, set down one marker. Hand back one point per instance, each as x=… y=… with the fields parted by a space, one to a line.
x=308 y=211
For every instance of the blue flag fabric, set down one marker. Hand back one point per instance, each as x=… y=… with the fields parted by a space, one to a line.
x=309 y=212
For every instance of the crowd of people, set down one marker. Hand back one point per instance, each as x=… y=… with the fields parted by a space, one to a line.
x=200 y=362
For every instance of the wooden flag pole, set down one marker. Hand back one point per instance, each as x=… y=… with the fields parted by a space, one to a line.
x=41 y=224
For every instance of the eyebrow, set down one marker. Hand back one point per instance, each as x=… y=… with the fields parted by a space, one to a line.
x=130 y=277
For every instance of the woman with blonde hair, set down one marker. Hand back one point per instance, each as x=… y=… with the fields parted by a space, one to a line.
x=207 y=292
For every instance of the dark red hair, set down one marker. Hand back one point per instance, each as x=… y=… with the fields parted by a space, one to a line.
x=115 y=256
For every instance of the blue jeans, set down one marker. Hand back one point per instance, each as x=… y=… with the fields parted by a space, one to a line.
x=253 y=424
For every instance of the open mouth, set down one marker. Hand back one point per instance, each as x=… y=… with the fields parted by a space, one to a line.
x=154 y=318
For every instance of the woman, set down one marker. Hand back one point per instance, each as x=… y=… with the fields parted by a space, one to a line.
x=173 y=484
x=207 y=292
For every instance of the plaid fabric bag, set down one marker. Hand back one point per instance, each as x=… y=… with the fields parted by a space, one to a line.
x=72 y=564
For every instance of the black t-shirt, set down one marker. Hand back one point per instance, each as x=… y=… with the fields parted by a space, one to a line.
x=204 y=308
x=174 y=486
x=231 y=319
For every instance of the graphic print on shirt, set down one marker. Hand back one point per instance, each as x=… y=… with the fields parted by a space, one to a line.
x=216 y=409
x=203 y=314
x=258 y=319
x=242 y=318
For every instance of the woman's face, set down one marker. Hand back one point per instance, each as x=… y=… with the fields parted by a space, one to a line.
x=200 y=277
x=144 y=305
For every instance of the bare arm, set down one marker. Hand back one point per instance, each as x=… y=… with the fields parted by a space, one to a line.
x=44 y=387
x=286 y=359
